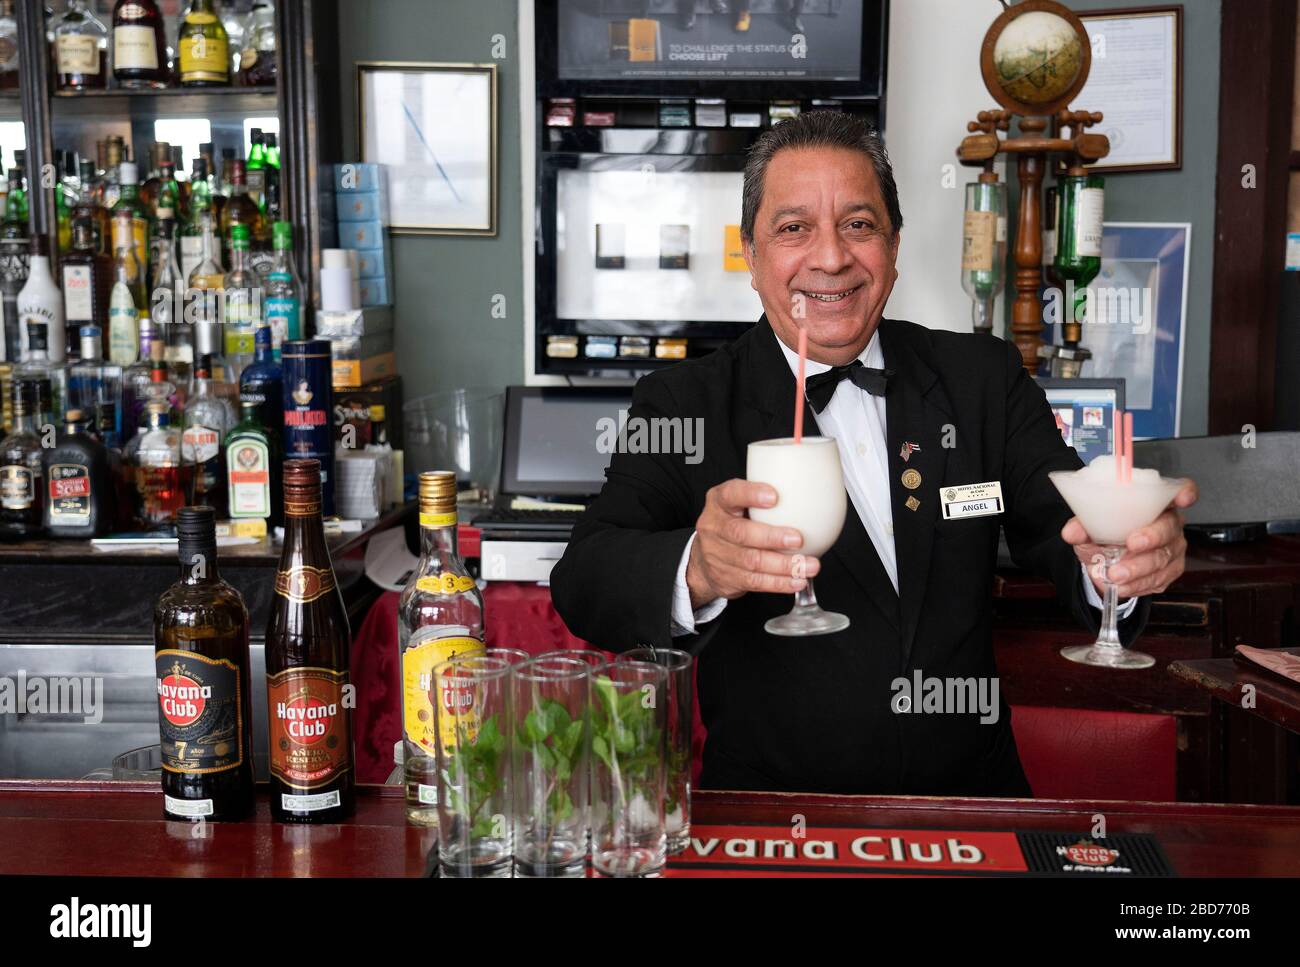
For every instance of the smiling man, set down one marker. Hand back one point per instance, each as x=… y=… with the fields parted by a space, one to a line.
x=666 y=555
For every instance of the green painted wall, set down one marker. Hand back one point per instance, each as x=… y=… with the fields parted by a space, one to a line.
x=445 y=286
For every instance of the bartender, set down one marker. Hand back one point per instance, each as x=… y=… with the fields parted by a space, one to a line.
x=667 y=556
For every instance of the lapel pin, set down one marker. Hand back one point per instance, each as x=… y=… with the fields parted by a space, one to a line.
x=909 y=449
x=911 y=479
x=912 y=503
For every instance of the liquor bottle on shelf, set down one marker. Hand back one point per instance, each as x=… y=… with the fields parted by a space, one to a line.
x=208 y=418
x=8 y=46
x=236 y=25
x=200 y=205
x=109 y=188
x=79 y=503
x=124 y=302
x=80 y=50
x=207 y=342
x=307 y=662
x=95 y=389
x=153 y=459
x=309 y=409
x=204 y=48
x=38 y=365
x=262 y=384
x=283 y=291
x=139 y=45
x=14 y=257
x=136 y=380
x=66 y=192
x=41 y=300
x=87 y=207
x=22 y=472
x=204 y=681
x=87 y=281
x=243 y=303
x=239 y=209
x=160 y=151
x=258 y=63
x=182 y=184
x=255 y=167
x=439 y=616
x=167 y=300
x=273 y=151
x=253 y=469
x=129 y=202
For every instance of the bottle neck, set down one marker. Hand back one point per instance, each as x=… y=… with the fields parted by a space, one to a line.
x=198 y=563
x=438 y=543
x=24 y=423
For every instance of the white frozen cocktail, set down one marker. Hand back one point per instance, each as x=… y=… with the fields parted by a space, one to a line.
x=810 y=498
x=1110 y=509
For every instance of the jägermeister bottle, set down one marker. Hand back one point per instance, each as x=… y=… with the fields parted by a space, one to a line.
x=439 y=616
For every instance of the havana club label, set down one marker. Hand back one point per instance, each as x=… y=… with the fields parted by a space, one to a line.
x=311 y=745
x=419 y=693
x=69 y=493
x=200 y=712
x=304 y=584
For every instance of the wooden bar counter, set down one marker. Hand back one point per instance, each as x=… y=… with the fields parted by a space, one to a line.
x=116 y=829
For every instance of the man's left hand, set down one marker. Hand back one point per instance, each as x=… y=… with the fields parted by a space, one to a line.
x=1154 y=555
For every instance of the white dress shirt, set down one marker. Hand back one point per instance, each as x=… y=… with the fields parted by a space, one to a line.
x=856 y=420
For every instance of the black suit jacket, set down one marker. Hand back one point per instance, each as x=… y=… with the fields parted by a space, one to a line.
x=815 y=714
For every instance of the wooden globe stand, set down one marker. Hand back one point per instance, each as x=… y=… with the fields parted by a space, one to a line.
x=1033 y=149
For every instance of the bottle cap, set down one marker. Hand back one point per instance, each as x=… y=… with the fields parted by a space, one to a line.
x=301 y=488
x=73 y=416
x=238 y=234
x=437 y=493
x=196 y=536
x=129 y=174
x=282 y=235
x=262 y=336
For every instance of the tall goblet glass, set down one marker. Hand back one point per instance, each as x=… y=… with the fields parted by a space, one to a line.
x=1110 y=510
x=810 y=498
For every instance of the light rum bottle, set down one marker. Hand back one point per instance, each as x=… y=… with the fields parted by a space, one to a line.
x=439 y=616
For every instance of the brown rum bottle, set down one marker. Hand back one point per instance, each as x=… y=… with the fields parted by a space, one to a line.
x=309 y=698
x=203 y=680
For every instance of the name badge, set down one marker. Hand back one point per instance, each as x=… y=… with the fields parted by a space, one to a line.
x=971 y=500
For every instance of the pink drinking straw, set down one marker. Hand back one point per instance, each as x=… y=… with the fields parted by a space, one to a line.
x=798 y=390
x=1128 y=447
x=1119 y=446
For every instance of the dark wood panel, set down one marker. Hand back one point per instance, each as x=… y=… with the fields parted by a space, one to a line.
x=1256 y=62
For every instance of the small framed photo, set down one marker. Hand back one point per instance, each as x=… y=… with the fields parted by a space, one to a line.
x=435 y=128
x=1136 y=82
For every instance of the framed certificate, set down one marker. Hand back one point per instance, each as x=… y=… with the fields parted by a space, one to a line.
x=1136 y=82
x=435 y=127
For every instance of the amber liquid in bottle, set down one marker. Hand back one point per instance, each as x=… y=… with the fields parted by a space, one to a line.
x=203 y=683
x=309 y=699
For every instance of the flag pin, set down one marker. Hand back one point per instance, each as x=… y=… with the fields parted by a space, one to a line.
x=909 y=449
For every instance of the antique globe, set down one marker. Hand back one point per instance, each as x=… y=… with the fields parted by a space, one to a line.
x=1037 y=57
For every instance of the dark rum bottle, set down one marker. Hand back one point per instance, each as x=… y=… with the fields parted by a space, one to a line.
x=205 y=716
x=309 y=700
x=79 y=502
x=22 y=483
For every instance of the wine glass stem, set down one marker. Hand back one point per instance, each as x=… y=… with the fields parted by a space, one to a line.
x=1108 y=637
x=804 y=597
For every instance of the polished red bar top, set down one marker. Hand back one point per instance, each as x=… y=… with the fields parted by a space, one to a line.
x=116 y=829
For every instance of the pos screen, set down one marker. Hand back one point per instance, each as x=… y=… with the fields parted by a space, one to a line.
x=552 y=439
x=1085 y=412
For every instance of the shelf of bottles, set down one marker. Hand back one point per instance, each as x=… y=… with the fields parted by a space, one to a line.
x=147 y=321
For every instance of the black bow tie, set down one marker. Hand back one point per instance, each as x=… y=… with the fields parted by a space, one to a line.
x=821 y=388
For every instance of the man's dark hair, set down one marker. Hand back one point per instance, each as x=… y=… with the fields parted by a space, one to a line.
x=817 y=129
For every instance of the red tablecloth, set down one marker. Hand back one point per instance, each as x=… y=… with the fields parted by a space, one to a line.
x=516 y=616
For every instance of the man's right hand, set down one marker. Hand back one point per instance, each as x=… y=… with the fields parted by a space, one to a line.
x=733 y=555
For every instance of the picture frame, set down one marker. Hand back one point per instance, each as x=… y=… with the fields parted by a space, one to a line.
x=1147 y=353
x=434 y=127
x=1141 y=100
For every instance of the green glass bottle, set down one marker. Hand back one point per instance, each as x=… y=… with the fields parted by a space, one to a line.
x=1078 y=243
x=253 y=469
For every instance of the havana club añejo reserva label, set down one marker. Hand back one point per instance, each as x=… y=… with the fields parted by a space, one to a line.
x=310 y=746
x=199 y=712
x=419 y=692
